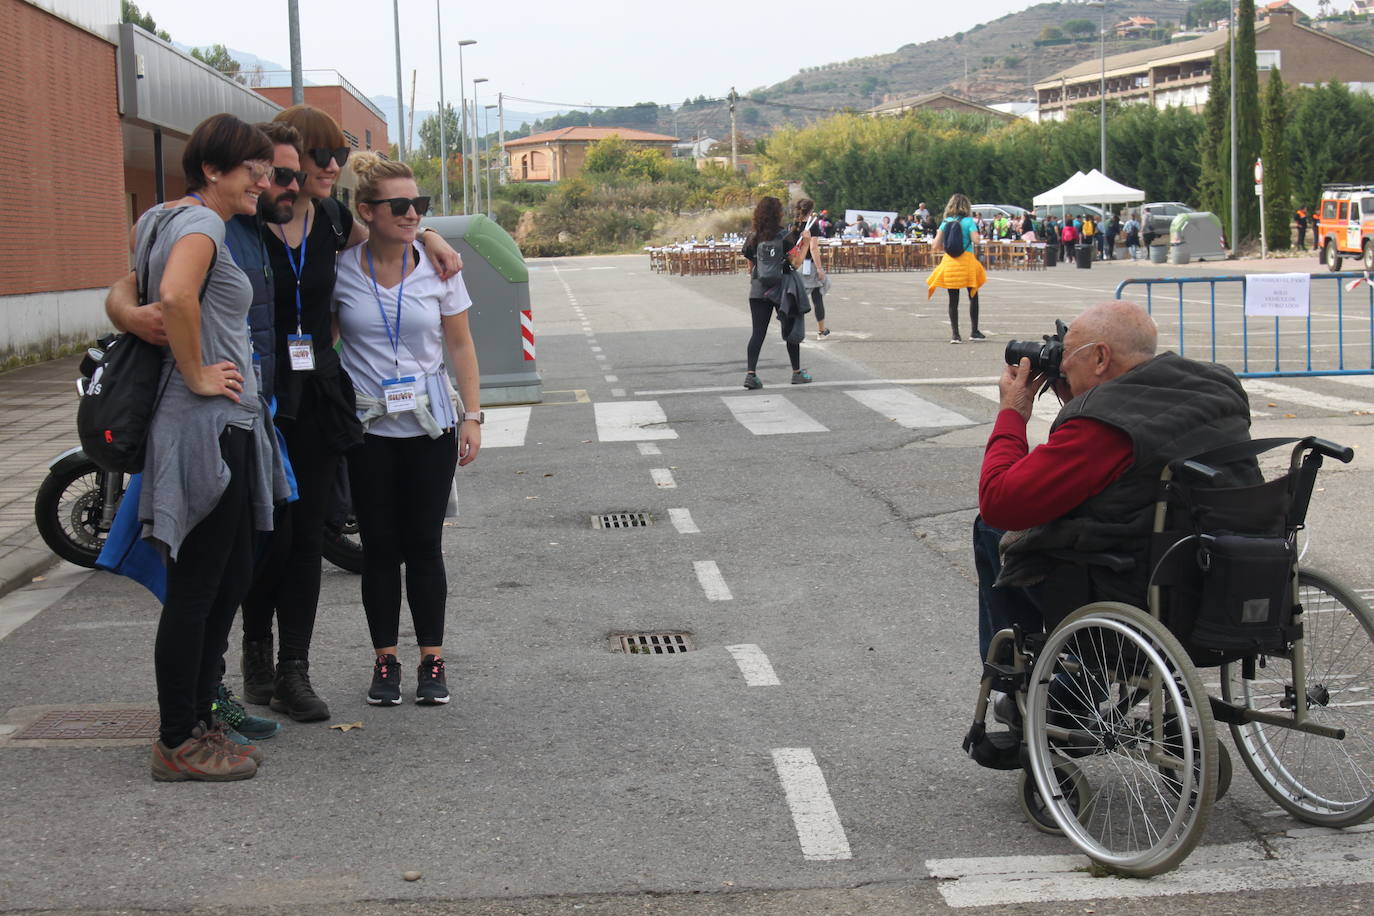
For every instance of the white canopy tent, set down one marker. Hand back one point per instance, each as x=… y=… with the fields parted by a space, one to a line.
x=1054 y=197
x=1092 y=188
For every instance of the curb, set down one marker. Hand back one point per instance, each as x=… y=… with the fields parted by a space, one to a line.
x=19 y=565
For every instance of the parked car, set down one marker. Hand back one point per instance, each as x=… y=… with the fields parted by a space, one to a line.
x=1345 y=224
x=992 y=211
x=1157 y=217
x=1071 y=210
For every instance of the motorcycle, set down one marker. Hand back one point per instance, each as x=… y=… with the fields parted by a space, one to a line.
x=77 y=502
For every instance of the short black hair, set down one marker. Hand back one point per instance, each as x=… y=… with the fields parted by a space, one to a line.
x=282 y=134
x=222 y=141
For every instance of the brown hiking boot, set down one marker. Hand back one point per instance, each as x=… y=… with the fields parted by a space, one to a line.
x=199 y=758
x=221 y=740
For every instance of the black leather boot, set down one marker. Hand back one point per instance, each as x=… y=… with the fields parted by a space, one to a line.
x=258 y=671
x=293 y=695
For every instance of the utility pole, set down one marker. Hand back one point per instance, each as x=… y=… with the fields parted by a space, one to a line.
x=462 y=95
x=1259 y=191
x=734 y=134
x=1102 y=86
x=411 y=135
x=501 y=132
x=1235 y=204
x=486 y=130
x=443 y=133
x=400 y=87
x=476 y=148
x=293 y=20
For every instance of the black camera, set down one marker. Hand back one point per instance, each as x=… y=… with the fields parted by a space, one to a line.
x=1044 y=356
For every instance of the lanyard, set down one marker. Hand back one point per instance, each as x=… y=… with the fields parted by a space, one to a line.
x=296 y=268
x=400 y=292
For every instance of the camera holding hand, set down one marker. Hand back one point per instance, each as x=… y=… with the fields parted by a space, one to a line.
x=1044 y=356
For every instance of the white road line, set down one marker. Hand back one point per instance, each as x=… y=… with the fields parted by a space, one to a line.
x=813 y=813
x=682 y=521
x=712 y=582
x=612 y=378
x=716 y=389
x=992 y=883
x=603 y=268
x=1280 y=392
x=1363 y=381
x=754 y=665
x=647 y=448
x=596 y=349
x=631 y=421
x=505 y=427
x=907 y=409
x=771 y=415
x=663 y=478
x=617 y=392
x=26 y=603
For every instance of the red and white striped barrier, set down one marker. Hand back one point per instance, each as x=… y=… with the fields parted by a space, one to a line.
x=527 y=333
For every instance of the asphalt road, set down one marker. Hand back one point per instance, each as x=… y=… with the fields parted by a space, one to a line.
x=828 y=550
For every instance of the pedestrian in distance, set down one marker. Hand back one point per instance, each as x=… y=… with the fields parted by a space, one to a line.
x=769 y=252
x=1300 y=221
x=212 y=471
x=1131 y=230
x=960 y=270
x=813 y=274
x=397 y=319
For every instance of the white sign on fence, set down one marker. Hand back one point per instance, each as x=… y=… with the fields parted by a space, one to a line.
x=1278 y=294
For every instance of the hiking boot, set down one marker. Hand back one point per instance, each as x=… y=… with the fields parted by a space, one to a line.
x=751 y=381
x=200 y=760
x=229 y=712
x=431 y=688
x=258 y=671
x=386 y=682
x=232 y=743
x=293 y=694
x=801 y=377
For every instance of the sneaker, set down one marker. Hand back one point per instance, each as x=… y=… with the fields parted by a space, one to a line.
x=978 y=335
x=227 y=709
x=822 y=334
x=751 y=381
x=801 y=377
x=293 y=694
x=432 y=686
x=258 y=671
x=386 y=682
x=200 y=760
x=231 y=742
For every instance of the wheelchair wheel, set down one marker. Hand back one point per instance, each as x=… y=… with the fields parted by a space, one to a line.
x=1115 y=692
x=1071 y=783
x=1320 y=780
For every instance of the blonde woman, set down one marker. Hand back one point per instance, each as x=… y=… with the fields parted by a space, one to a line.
x=813 y=275
x=963 y=271
x=396 y=319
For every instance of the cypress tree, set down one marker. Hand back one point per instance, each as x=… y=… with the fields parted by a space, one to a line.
x=1278 y=182
x=1215 y=182
x=1247 y=118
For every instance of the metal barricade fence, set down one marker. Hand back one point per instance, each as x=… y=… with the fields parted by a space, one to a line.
x=1228 y=334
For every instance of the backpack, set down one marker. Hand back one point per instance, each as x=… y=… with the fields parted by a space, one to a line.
x=1088 y=228
x=952 y=236
x=770 y=263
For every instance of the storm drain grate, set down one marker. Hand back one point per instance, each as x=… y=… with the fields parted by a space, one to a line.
x=622 y=520
x=652 y=643
x=78 y=724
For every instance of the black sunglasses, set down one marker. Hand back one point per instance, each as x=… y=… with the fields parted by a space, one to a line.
x=322 y=156
x=282 y=177
x=399 y=205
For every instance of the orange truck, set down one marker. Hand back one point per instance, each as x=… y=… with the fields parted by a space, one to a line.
x=1345 y=224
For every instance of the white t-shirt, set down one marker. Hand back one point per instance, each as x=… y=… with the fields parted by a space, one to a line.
x=367 y=353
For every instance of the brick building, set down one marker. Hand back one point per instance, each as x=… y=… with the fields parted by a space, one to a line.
x=558 y=154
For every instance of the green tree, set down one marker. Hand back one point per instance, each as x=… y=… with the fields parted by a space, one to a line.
x=1205 y=12
x=1081 y=27
x=1278 y=182
x=129 y=12
x=1051 y=33
x=1215 y=183
x=429 y=134
x=607 y=157
x=218 y=56
x=1329 y=131
x=1247 y=114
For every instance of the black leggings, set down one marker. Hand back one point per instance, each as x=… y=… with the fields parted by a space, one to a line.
x=287 y=581
x=762 y=311
x=954 y=310
x=818 y=304
x=205 y=584
x=400 y=492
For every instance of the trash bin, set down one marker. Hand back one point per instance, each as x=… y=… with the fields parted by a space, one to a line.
x=1179 y=253
x=501 y=319
x=1051 y=255
x=1159 y=254
x=1085 y=256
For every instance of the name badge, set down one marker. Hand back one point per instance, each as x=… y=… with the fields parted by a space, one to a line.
x=399 y=394
x=301 y=352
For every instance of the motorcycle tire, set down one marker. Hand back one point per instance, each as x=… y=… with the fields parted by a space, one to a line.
x=68 y=510
x=342 y=546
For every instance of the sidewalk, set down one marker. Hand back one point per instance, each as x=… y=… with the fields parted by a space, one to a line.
x=38 y=416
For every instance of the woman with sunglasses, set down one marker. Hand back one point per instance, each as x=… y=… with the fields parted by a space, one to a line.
x=212 y=472
x=315 y=413
x=396 y=319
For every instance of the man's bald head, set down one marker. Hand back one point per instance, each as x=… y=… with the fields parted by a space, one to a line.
x=1124 y=326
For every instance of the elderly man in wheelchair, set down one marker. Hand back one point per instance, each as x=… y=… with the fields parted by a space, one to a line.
x=1139 y=544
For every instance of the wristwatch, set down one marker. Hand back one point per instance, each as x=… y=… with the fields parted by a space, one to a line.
x=479 y=415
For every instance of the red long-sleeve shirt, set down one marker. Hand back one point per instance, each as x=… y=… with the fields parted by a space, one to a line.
x=1020 y=488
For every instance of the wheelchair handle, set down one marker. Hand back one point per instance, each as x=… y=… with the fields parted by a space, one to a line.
x=1199 y=470
x=1342 y=453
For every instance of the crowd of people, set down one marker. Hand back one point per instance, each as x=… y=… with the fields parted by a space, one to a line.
x=297 y=338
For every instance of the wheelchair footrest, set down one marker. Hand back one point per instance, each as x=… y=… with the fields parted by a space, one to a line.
x=1005 y=678
x=994 y=750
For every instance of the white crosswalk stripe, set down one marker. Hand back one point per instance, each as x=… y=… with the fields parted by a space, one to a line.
x=1261 y=389
x=631 y=421
x=771 y=415
x=505 y=427
x=907 y=409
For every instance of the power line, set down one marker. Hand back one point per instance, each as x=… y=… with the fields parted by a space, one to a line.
x=696 y=101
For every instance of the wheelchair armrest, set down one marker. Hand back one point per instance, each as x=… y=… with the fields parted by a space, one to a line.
x=1199 y=472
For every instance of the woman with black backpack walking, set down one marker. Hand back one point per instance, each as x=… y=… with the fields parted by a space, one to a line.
x=768 y=250
x=960 y=268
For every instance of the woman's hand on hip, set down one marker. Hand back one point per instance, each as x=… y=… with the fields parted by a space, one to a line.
x=219 y=379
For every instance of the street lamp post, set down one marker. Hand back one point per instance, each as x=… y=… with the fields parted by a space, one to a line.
x=486 y=132
x=443 y=134
x=476 y=178
x=1102 y=86
x=462 y=95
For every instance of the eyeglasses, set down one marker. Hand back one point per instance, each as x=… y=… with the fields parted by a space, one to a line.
x=399 y=205
x=258 y=169
x=322 y=156
x=282 y=177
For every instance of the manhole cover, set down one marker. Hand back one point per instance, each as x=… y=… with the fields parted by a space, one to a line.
x=622 y=520
x=651 y=643
x=78 y=724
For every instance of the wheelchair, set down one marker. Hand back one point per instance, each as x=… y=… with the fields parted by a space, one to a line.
x=1114 y=729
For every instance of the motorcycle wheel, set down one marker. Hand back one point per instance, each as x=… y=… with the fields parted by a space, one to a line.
x=68 y=510
x=342 y=546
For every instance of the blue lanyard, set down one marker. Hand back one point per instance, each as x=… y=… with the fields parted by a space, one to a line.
x=199 y=198
x=297 y=269
x=400 y=292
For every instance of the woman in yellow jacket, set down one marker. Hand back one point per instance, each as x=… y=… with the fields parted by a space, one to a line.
x=962 y=272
